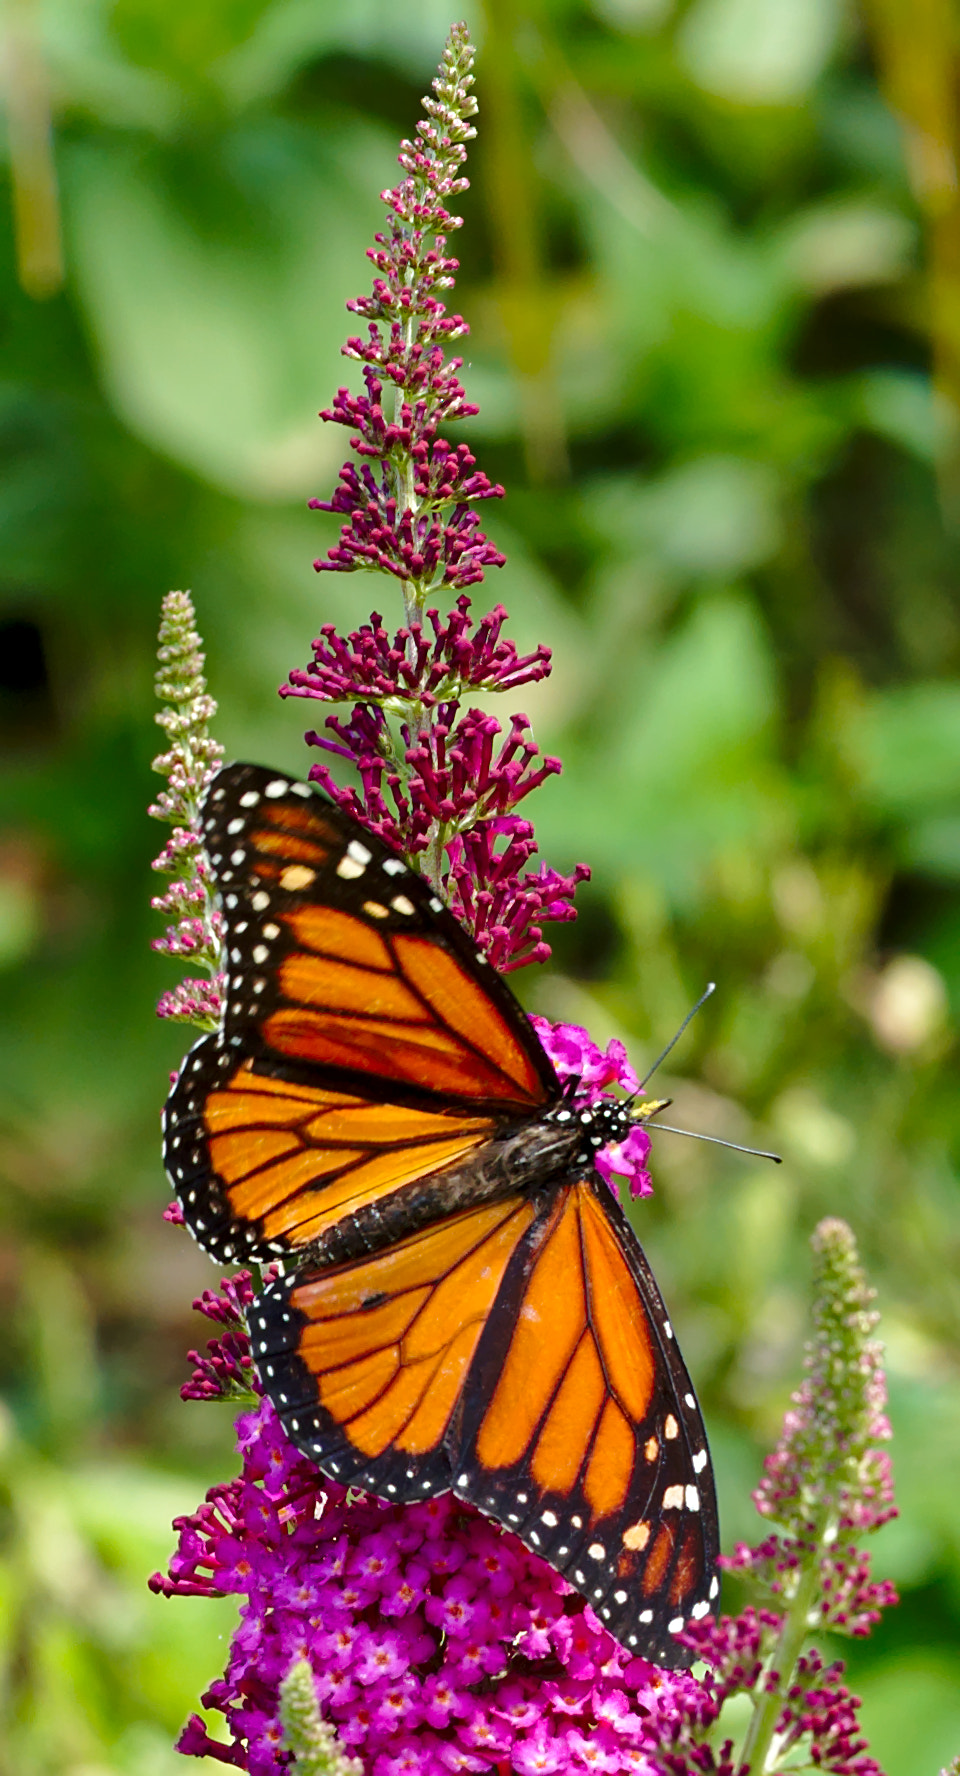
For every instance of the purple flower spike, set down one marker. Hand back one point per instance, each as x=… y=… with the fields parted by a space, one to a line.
x=191 y=760
x=437 y=783
x=409 y=515
x=826 y=1484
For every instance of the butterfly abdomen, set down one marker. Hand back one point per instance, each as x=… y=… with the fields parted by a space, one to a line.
x=529 y=1159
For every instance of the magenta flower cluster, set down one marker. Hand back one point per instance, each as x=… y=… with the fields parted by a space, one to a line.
x=439 y=782
x=432 y=666
x=438 y=1643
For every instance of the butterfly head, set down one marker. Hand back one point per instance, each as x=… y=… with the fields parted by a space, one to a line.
x=613 y=1137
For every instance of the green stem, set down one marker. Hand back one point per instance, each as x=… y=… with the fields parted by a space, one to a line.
x=755 y=1755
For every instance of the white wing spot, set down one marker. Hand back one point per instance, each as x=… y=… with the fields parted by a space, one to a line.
x=260 y=902
x=401 y=904
x=673 y=1498
x=297 y=876
x=271 y=931
x=668 y=1328
x=692 y=1498
x=349 y=869
x=359 y=852
x=671 y=1428
x=375 y=910
x=435 y=905
x=700 y=1609
x=237 y=857
x=277 y=788
x=260 y=953
x=549 y=1518
x=597 y=1551
x=699 y=1461
x=619 y=1597
x=393 y=867
x=714 y=1587
x=645 y=1616
x=250 y=799
x=689 y=1400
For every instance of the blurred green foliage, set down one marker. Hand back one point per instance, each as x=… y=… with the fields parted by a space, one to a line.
x=694 y=269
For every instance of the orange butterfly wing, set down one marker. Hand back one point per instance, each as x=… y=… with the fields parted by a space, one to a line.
x=365 y=1044
x=520 y=1354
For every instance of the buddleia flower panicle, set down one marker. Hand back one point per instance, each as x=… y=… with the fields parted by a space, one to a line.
x=192 y=758
x=435 y=1642
x=439 y=781
x=828 y=1483
x=825 y=1485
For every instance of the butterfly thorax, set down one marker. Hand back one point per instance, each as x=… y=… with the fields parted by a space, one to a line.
x=595 y=1125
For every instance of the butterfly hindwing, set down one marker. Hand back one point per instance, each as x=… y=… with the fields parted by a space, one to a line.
x=520 y=1354
x=366 y=1362
x=581 y=1430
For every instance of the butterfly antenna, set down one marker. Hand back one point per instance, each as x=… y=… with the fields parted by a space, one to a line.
x=691 y=1134
x=704 y=996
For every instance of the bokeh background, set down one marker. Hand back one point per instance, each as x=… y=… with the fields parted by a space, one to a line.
x=712 y=267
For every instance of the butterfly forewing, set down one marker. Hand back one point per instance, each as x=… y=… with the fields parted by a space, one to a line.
x=365 y=1044
x=367 y=1362
x=340 y=957
x=581 y=1429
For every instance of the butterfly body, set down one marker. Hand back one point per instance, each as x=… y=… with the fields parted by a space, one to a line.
x=470 y=1309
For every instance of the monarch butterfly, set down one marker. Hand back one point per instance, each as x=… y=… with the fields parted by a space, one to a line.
x=466 y=1306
